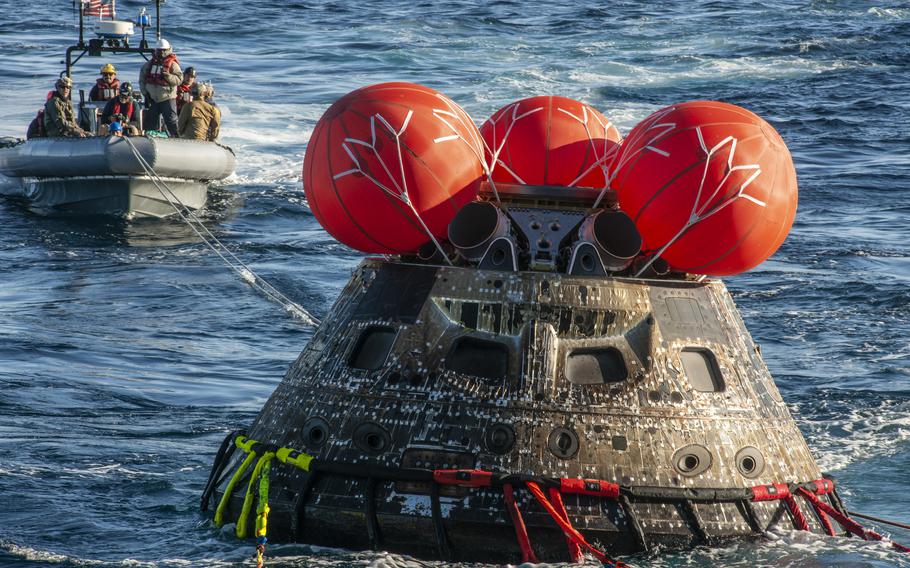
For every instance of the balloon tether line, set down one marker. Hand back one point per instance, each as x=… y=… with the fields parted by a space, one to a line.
x=699 y=214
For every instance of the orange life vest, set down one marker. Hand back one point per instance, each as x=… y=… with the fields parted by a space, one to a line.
x=124 y=109
x=106 y=91
x=158 y=69
x=183 y=95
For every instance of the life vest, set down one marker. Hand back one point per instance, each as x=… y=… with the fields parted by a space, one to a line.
x=36 y=127
x=124 y=109
x=183 y=95
x=158 y=69
x=106 y=91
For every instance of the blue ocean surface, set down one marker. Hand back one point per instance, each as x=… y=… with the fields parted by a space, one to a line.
x=127 y=350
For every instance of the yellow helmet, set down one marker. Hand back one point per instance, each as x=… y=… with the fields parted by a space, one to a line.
x=108 y=68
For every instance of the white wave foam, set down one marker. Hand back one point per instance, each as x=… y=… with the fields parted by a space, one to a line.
x=855 y=434
x=889 y=13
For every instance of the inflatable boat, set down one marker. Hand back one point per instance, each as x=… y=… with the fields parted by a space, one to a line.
x=105 y=175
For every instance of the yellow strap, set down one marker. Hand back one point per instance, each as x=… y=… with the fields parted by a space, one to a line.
x=248 y=499
x=245 y=443
x=261 y=474
x=262 y=510
x=301 y=460
x=229 y=490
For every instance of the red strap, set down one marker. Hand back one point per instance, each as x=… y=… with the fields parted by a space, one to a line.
x=593 y=487
x=521 y=532
x=770 y=492
x=574 y=549
x=826 y=522
x=799 y=520
x=569 y=529
x=463 y=477
x=823 y=486
x=846 y=521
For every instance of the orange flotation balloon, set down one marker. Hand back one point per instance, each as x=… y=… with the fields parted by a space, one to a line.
x=550 y=140
x=389 y=164
x=711 y=187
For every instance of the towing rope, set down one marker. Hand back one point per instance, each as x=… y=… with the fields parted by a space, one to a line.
x=263 y=454
x=224 y=253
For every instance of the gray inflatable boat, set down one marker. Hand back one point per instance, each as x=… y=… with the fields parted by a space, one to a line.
x=102 y=175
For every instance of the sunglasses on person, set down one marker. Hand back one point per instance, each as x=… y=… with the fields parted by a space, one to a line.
x=108 y=74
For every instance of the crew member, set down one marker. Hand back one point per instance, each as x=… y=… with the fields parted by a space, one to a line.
x=200 y=119
x=185 y=89
x=158 y=81
x=36 y=126
x=122 y=109
x=107 y=86
x=59 y=117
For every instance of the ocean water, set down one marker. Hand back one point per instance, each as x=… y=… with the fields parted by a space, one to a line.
x=127 y=350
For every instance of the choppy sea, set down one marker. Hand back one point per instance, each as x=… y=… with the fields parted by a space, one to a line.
x=127 y=350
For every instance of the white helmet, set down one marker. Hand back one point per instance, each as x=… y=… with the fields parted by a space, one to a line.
x=162 y=44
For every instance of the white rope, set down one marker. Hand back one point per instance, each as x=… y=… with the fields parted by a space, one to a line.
x=230 y=259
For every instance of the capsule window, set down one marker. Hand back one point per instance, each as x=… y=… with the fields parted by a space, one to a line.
x=372 y=348
x=480 y=358
x=702 y=369
x=596 y=366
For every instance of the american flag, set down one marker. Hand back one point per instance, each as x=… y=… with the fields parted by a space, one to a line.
x=100 y=8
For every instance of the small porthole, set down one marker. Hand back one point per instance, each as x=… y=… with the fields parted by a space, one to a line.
x=749 y=462
x=372 y=438
x=315 y=432
x=691 y=460
x=688 y=463
x=374 y=442
x=563 y=443
x=500 y=438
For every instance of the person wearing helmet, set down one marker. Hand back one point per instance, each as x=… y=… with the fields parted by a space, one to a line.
x=200 y=119
x=107 y=86
x=122 y=107
x=59 y=116
x=115 y=129
x=158 y=81
x=184 y=89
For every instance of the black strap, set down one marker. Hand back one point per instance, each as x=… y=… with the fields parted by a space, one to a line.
x=781 y=508
x=372 y=521
x=221 y=460
x=633 y=523
x=442 y=541
x=748 y=511
x=694 y=520
x=298 y=518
